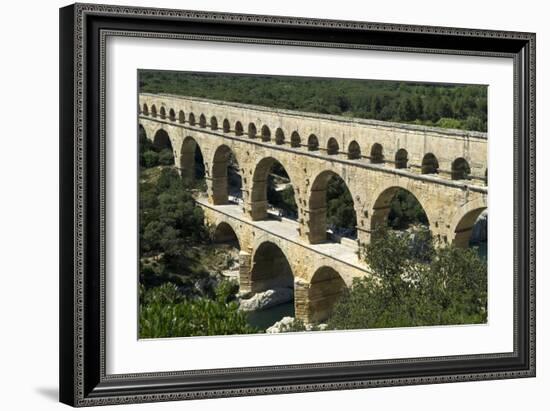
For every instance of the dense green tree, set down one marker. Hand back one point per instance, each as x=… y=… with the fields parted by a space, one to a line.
x=165 y=312
x=414 y=286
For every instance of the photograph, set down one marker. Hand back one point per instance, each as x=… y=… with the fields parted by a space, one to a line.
x=274 y=204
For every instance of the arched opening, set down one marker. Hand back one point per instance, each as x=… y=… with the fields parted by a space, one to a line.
x=202 y=121
x=172 y=115
x=226 y=126
x=354 y=151
x=163 y=146
x=430 y=165
x=270 y=269
x=332 y=146
x=192 y=120
x=331 y=209
x=401 y=158
x=376 y=154
x=398 y=209
x=226 y=180
x=239 y=129
x=162 y=113
x=460 y=169
x=252 y=130
x=142 y=134
x=181 y=117
x=153 y=110
x=272 y=192
x=326 y=288
x=279 y=136
x=295 y=140
x=266 y=133
x=313 y=143
x=145 y=109
x=213 y=123
x=224 y=234
x=471 y=230
x=192 y=163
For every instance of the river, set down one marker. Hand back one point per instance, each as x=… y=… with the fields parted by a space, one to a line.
x=264 y=319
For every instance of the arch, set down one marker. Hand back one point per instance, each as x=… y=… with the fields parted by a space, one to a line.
x=213 y=123
x=270 y=268
x=226 y=180
x=225 y=234
x=325 y=289
x=295 y=140
x=191 y=160
x=226 y=126
x=384 y=206
x=202 y=121
x=354 y=150
x=252 y=130
x=460 y=169
x=279 y=136
x=266 y=133
x=401 y=158
x=376 y=154
x=312 y=143
x=172 y=115
x=142 y=134
x=192 y=120
x=430 y=165
x=153 y=110
x=239 y=129
x=319 y=207
x=145 y=109
x=162 y=113
x=263 y=181
x=463 y=222
x=332 y=146
x=161 y=140
x=181 y=117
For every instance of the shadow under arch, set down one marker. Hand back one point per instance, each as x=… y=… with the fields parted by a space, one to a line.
x=342 y=212
x=464 y=222
x=191 y=160
x=226 y=180
x=270 y=269
x=264 y=192
x=326 y=288
x=398 y=208
x=224 y=233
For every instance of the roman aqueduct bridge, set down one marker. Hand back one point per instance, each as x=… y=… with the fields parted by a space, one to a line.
x=444 y=169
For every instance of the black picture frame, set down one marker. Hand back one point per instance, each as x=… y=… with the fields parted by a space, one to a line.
x=83 y=381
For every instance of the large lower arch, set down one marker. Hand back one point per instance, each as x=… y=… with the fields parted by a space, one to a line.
x=464 y=221
x=325 y=289
x=225 y=234
x=191 y=160
x=270 y=269
x=226 y=181
x=260 y=182
x=318 y=207
x=382 y=209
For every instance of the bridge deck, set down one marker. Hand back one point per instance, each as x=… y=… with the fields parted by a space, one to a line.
x=288 y=230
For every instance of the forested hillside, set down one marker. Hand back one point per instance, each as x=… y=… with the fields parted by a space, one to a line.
x=441 y=105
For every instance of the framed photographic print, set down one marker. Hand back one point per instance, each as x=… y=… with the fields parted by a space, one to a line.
x=262 y=204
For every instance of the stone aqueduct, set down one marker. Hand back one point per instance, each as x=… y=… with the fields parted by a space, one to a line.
x=444 y=169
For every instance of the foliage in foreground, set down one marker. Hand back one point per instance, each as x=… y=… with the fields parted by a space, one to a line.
x=165 y=312
x=414 y=285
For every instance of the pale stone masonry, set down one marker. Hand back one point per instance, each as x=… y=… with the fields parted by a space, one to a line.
x=373 y=158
